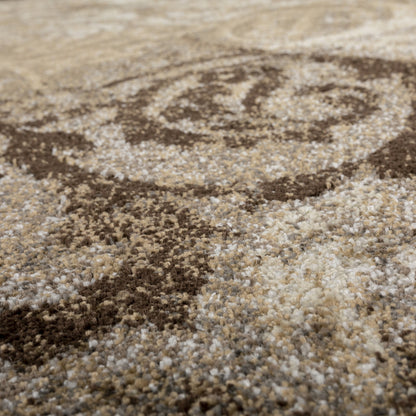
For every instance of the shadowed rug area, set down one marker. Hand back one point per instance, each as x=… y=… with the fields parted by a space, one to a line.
x=207 y=208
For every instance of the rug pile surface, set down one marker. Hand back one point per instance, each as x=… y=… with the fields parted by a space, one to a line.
x=207 y=208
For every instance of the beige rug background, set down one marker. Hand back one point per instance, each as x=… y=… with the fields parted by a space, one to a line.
x=207 y=207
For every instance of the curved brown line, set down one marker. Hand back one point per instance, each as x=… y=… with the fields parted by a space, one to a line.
x=242 y=52
x=52 y=329
x=373 y=68
x=396 y=159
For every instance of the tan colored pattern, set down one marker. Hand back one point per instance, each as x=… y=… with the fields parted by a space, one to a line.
x=207 y=208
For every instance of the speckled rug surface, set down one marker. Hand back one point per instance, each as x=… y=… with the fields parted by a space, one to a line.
x=207 y=208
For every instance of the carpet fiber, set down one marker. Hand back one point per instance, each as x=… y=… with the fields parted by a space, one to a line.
x=207 y=207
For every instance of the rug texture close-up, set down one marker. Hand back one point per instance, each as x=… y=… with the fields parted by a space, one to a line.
x=208 y=207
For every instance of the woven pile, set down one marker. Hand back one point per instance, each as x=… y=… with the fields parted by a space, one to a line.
x=207 y=208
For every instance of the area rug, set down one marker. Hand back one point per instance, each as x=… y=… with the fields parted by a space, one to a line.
x=207 y=208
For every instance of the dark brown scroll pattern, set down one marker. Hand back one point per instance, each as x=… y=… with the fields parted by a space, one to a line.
x=161 y=289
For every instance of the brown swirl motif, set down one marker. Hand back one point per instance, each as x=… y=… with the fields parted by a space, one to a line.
x=241 y=103
x=237 y=101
